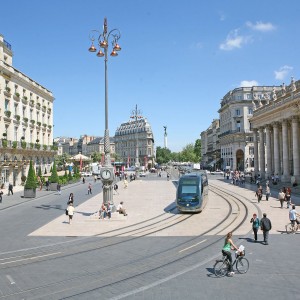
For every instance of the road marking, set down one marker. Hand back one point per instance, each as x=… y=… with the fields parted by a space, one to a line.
x=30 y=258
x=10 y=279
x=192 y=246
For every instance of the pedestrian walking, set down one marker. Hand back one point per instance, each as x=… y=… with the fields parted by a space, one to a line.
x=83 y=180
x=89 y=189
x=1 y=194
x=265 y=226
x=255 y=225
x=70 y=210
x=58 y=188
x=10 y=189
x=95 y=178
x=71 y=198
x=47 y=185
x=259 y=193
x=268 y=192
x=288 y=199
x=281 y=197
x=116 y=189
x=125 y=184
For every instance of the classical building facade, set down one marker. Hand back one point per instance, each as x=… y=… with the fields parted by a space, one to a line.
x=131 y=134
x=26 y=121
x=276 y=134
x=210 y=147
x=236 y=135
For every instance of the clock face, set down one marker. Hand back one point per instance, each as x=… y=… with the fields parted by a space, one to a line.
x=106 y=174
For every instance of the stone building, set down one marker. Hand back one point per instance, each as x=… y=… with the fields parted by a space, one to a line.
x=133 y=136
x=276 y=134
x=210 y=148
x=26 y=121
x=236 y=136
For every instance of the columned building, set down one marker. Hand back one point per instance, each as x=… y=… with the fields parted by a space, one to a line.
x=276 y=134
x=132 y=134
x=238 y=151
x=26 y=121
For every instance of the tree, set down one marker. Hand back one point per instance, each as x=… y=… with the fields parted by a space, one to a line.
x=31 y=182
x=40 y=172
x=54 y=177
x=197 y=149
x=163 y=155
x=188 y=154
x=70 y=176
x=96 y=156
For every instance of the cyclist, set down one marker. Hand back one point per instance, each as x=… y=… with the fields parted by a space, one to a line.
x=293 y=216
x=229 y=245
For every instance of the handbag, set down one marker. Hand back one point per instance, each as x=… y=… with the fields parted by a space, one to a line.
x=67 y=212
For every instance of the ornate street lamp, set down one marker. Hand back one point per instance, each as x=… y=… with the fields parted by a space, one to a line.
x=136 y=114
x=103 y=39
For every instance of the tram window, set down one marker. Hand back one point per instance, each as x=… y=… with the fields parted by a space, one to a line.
x=189 y=189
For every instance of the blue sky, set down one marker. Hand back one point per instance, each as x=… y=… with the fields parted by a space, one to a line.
x=178 y=58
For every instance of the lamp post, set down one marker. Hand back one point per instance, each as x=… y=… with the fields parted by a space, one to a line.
x=136 y=114
x=103 y=39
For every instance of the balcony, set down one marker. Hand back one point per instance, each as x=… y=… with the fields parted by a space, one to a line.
x=22 y=145
x=236 y=131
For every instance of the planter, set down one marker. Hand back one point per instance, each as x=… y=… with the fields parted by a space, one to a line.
x=29 y=193
x=53 y=186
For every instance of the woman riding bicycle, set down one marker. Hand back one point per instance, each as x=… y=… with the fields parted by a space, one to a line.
x=229 y=245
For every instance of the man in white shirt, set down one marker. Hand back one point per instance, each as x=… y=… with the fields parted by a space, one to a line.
x=293 y=216
x=120 y=209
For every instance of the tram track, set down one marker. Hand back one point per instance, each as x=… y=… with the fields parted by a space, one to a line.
x=139 y=266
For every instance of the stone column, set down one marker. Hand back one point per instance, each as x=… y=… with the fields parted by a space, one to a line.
x=256 y=166
x=285 y=154
x=276 y=149
x=268 y=151
x=295 y=132
x=262 y=163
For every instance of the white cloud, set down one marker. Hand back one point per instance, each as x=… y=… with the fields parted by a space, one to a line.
x=282 y=72
x=260 y=26
x=222 y=16
x=234 y=40
x=248 y=83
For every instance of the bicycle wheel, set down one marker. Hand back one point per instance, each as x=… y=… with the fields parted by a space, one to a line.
x=289 y=228
x=242 y=265
x=220 y=268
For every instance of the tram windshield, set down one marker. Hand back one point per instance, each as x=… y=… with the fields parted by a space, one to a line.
x=188 y=187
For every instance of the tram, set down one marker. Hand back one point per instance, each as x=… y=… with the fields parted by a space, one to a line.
x=192 y=192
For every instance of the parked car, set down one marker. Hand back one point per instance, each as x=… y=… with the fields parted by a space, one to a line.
x=142 y=174
x=218 y=172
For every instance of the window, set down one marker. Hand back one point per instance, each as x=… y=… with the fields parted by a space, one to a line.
x=248 y=96
x=237 y=112
x=16 y=109
x=31 y=114
x=15 y=133
x=238 y=126
x=24 y=111
x=251 y=150
x=37 y=116
x=31 y=137
x=250 y=111
x=6 y=105
x=24 y=132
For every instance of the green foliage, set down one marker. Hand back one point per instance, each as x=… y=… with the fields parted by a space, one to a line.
x=197 y=149
x=23 y=144
x=96 y=156
x=66 y=174
x=188 y=154
x=163 y=155
x=40 y=172
x=14 y=144
x=4 y=143
x=31 y=182
x=51 y=169
x=62 y=159
x=54 y=177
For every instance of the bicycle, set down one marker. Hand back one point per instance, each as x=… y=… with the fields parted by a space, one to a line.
x=221 y=267
x=291 y=227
